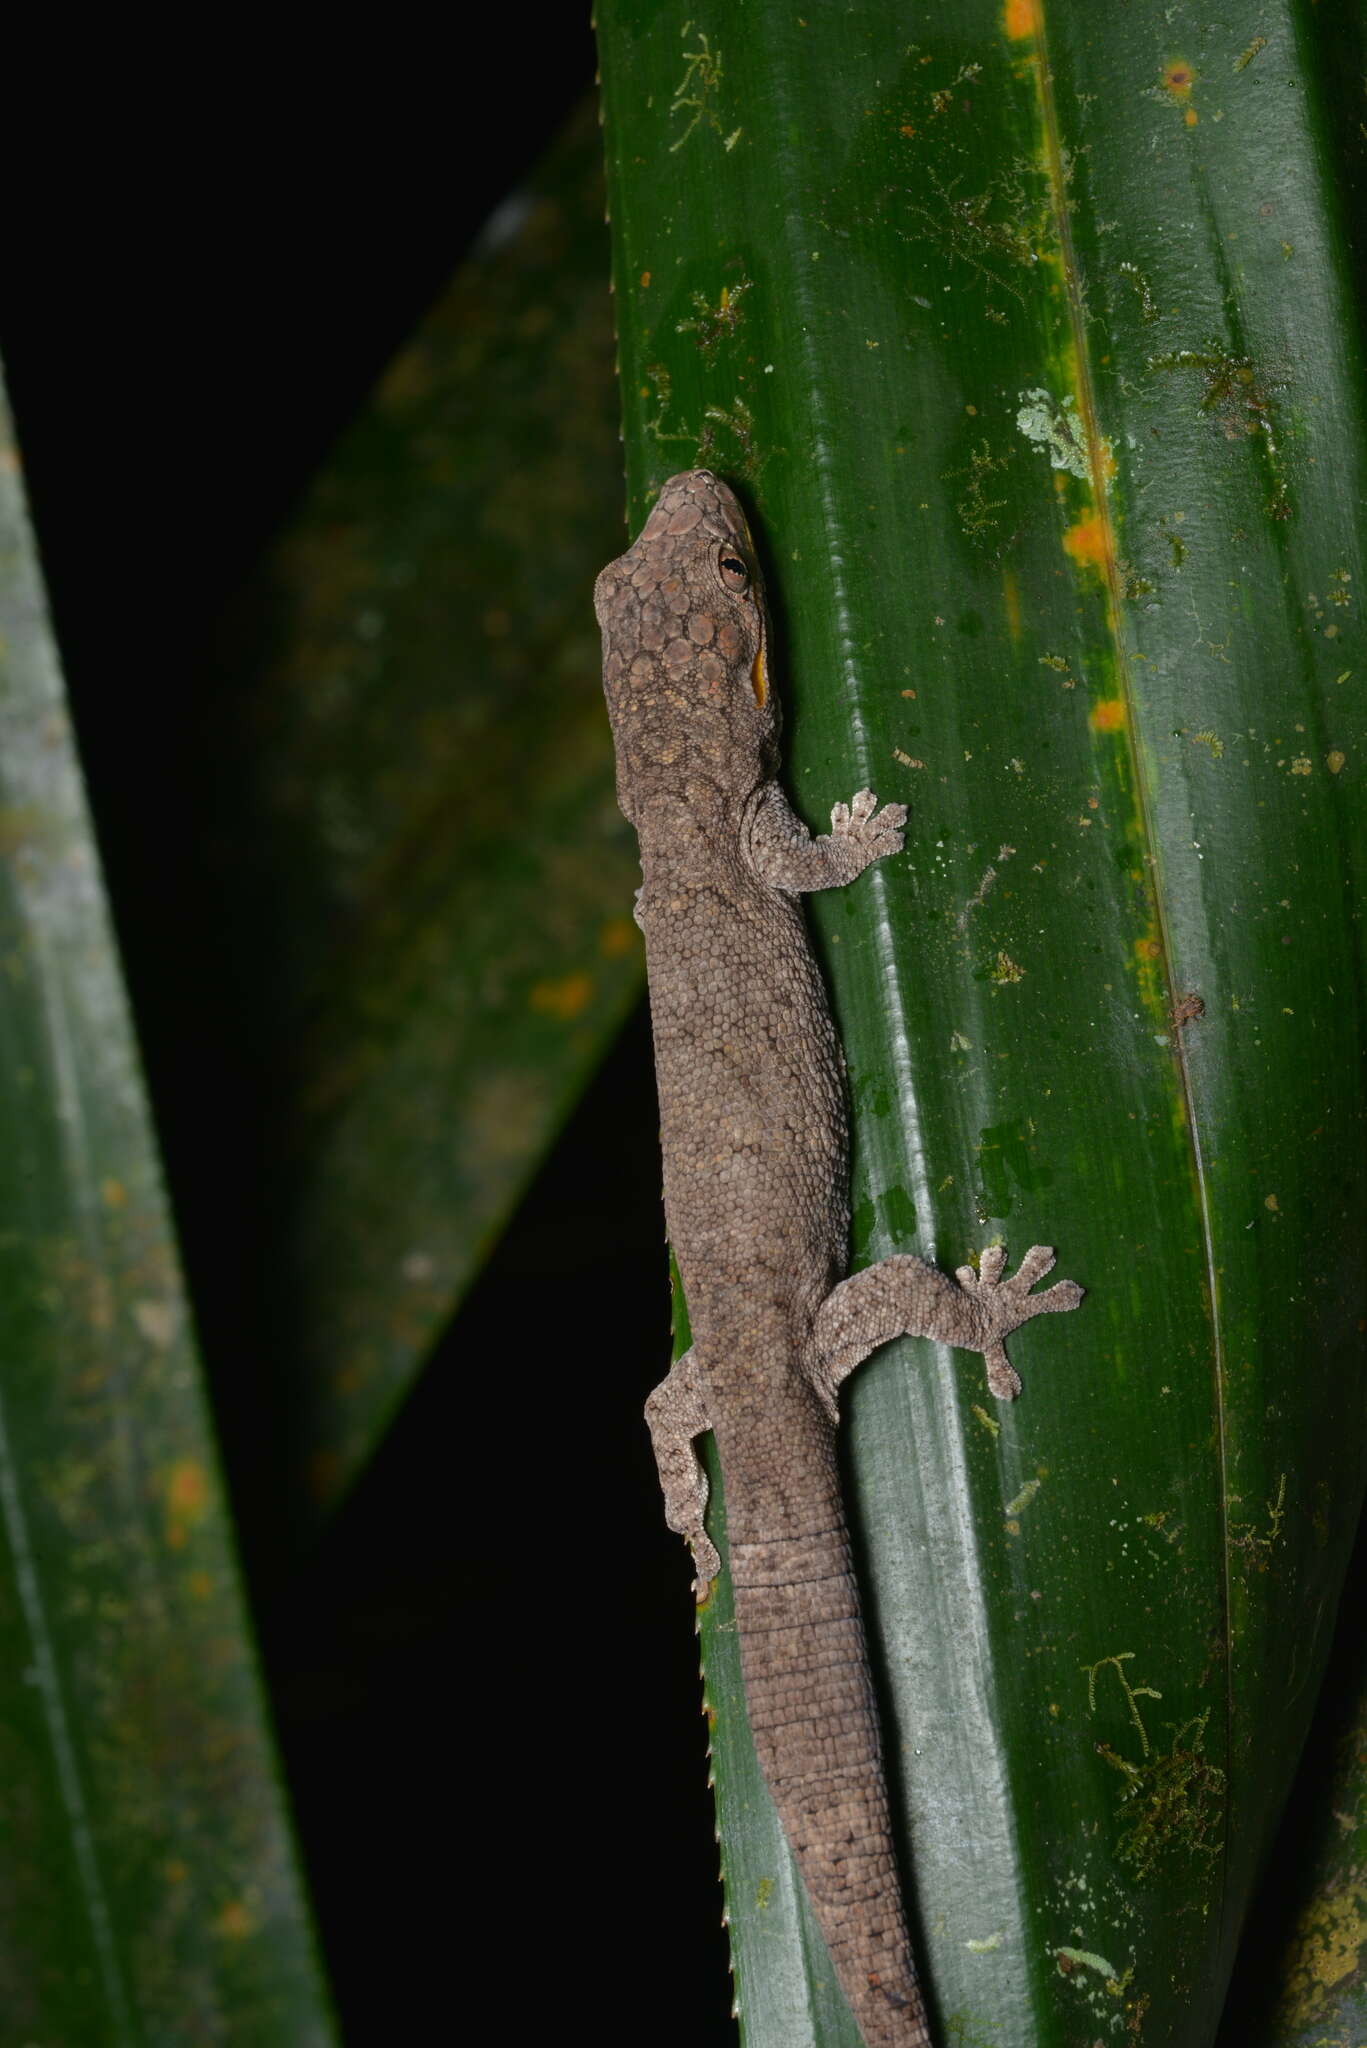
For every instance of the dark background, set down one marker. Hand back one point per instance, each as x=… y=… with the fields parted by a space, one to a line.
x=485 y=1675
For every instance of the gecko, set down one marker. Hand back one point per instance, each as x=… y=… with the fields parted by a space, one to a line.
x=755 y=1147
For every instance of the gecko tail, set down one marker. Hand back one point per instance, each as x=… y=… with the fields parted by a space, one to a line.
x=815 y=1725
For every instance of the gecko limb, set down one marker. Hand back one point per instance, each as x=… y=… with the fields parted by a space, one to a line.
x=902 y=1296
x=784 y=854
x=676 y=1414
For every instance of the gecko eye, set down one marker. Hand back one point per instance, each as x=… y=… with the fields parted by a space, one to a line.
x=734 y=574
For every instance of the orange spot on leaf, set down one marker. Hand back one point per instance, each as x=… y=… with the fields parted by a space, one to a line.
x=1108 y=715
x=616 y=938
x=235 y=1921
x=564 y=998
x=1086 y=542
x=1178 y=80
x=187 y=1500
x=1021 y=18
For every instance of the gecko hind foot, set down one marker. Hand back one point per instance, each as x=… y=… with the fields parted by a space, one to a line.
x=875 y=832
x=676 y=1415
x=1005 y=1304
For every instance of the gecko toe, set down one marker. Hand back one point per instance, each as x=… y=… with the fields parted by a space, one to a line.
x=1036 y=1263
x=1064 y=1294
x=991 y=1262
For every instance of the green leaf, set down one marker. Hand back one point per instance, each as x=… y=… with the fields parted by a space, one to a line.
x=1031 y=345
x=150 y=1893
x=426 y=874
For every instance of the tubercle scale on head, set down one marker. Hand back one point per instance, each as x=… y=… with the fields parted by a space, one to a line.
x=685 y=638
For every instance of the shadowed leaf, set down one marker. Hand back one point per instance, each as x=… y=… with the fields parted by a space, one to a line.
x=147 y=1877
x=429 y=881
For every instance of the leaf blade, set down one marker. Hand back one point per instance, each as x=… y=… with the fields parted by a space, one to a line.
x=151 y=1887
x=923 y=307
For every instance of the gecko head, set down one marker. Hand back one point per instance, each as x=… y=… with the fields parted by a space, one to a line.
x=685 y=647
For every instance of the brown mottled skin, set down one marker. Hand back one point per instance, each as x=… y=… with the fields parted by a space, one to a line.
x=755 y=1183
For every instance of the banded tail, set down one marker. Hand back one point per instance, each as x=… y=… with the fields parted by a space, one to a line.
x=815 y=1726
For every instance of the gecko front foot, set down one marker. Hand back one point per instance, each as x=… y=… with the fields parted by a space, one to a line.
x=1004 y=1305
x=862 y=824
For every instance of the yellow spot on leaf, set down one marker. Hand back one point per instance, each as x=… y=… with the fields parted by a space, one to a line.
x=113 y=1194
x=1334 y=761
x=566 y=998
x=1179 y=78
x=645 y=280
x=1191 y=117
x=1147 y=949
x=187 y=1500
x=1271 y=1202
x=1086 y=542
x=235 y=1921
x=1021 y=18
x=1108 y=715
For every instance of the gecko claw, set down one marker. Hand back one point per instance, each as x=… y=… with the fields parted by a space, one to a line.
x=706 y=1567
